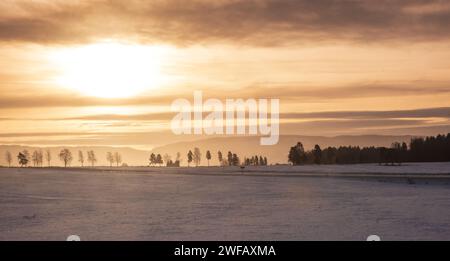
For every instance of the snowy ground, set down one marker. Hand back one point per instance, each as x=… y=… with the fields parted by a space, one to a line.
x=272 y=203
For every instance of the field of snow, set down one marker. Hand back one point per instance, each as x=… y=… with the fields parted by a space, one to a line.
x=270 y=203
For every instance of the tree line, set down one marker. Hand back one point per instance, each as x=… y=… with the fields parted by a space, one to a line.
x=428 y=149
x=37 y=158
x=195 y=157
x=24 y=158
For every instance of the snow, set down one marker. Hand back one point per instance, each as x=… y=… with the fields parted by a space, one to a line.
x=265 y=203
x=405 y=168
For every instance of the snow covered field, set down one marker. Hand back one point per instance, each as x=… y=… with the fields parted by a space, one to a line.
x=272 y=203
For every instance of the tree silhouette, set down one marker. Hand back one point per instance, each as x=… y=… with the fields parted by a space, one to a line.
x=197 y=156
x=251 y=161
x=8 y=158
x=110 y=158
x=208 y=156
x=167 y=158
x=159 y=160
x=37 y=158
x=190 y=157
x=317 y=152
x=91 y=157
x=220 y=157
x=403 y=152
x=66 y=156
x=230 y=158
x=27 y=156
x=81 y=158
x=178 y=159
x=428 y=149
x=117 y=158
x=152 y=159
x=396 y=151
x=22 y=158
x=235 y=160
x=170 y=162
x=48 y=157
x=41 y=158
x=255 y=161
x=297 y=154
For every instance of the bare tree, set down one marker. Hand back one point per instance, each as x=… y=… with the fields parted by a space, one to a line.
x=27 y=156
x=190 y=157
x=38 y=158
x=35 y=158
x=41 y=158
x=235 y=160
x=208 y=156
x=117 y=158
x=220 y=157
x=177 y=162
x=81 y=158
x=197 y=156
x=92 y=158
x=167 y=158
x=48 y=157
x=66 y=156
x=8 y=158
x=110 y=158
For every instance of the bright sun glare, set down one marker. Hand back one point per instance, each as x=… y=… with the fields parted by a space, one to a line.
x=111 y=70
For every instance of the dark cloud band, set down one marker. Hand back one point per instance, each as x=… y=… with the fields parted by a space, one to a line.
x=252 y=22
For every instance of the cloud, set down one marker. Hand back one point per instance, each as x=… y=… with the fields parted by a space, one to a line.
x=428 y=7
x=418 y=113
x=62 y=100
x=287 y=93
x=370 y=116
x=249 y=22
x=98 y=138
x=163 y=116
x=325 y=126
x=308 y=93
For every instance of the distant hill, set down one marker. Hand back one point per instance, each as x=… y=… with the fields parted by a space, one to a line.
x=248 y=146
x=130 y=156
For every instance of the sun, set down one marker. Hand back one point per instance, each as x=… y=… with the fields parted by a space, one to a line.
x=111 y=70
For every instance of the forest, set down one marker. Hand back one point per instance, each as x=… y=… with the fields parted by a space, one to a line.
x=420 y=149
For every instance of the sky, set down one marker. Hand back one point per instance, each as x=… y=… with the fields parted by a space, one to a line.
x=106 y=72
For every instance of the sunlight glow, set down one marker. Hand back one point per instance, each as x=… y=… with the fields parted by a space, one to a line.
x=111 y=70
